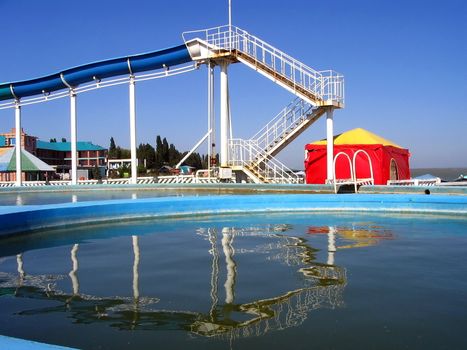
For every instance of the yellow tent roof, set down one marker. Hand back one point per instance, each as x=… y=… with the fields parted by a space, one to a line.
x=358 y=136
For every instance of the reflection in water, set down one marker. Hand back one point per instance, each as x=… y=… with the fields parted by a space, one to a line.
x=19 y=261
x=135 y=269
x=354 y=236
x=331 y=245
x=74 y=270
x=229 y=251
x=212 y=234
x=321 y=285
x=323 y=288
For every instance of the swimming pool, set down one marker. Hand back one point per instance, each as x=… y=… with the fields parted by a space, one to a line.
x=249 y=276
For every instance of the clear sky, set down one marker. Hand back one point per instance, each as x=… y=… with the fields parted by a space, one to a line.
x=404 y=62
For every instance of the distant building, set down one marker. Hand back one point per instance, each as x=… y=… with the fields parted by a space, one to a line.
x=58 y=154
x=28 y=142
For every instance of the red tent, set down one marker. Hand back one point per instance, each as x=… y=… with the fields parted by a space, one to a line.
x=388 y=160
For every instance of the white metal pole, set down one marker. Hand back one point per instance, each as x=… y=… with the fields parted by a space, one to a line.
x=330 y=143
x=194 y=148
x=229 y=113
x=134 y=168
x=230 y=14
x=211 y=137
x=230 y=24
x=224 y=157
x=19 y=175
x=73 y=128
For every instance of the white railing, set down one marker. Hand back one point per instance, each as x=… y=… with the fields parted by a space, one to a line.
x=289 y=118
x=246 y=153
x=327 y=85
x=415 y=182
x=184 y=179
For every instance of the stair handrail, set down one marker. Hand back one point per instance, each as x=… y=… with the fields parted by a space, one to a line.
x=326 y=85
x=247 y=153
x=276 y=117
x=298 y=109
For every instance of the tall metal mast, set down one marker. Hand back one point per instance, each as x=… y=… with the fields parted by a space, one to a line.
x=230 y=14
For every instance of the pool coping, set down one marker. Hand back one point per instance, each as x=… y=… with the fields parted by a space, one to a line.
x=237 y=187
x=20 y=219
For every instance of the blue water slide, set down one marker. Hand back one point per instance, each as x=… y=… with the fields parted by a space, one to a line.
x=98 y=70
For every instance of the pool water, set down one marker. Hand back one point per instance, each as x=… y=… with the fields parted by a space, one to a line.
x=241 y=282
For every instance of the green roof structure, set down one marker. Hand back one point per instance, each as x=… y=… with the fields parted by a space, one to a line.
x=66 y=146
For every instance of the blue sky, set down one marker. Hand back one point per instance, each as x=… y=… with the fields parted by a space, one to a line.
x=404 y=61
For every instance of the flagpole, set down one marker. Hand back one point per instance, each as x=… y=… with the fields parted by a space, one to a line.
x=230 y=24
x=230 y=14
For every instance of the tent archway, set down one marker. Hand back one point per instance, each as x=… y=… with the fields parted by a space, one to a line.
x=393 y=170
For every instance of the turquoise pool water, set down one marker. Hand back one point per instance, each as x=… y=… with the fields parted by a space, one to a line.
x=266 y=280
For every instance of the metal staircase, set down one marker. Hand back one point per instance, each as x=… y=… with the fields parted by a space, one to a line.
x=246 y=156
x=287 y=125
x=256 y=155
x=315 y=90
x=320 y=88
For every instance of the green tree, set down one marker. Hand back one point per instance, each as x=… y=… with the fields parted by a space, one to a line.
x=96 y=174
x=159 y=161
x=146 y=152
x=194 y=160
x=112 y=149
x=174 y=155
x=165 y=151
x=123 y=153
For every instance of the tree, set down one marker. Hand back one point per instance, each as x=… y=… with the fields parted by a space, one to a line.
x=96 y=174
x=146 y=152
x=165 y=151
x=174 y=156
x=159 y=161
x=53 y=140
x=112 y=149
x=194 y=160
x=123 y=153
x=63 y=139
